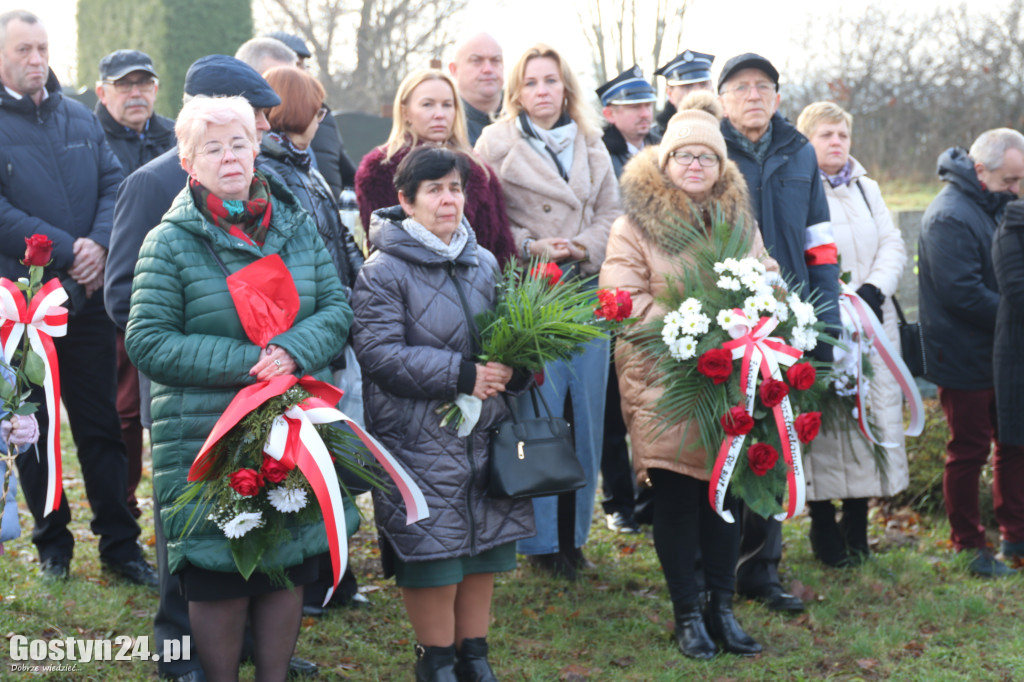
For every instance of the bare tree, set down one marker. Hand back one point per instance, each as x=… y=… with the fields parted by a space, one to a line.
x=626 y=32
x=363 y=48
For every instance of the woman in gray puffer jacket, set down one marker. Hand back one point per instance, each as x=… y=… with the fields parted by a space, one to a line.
x=415 y=341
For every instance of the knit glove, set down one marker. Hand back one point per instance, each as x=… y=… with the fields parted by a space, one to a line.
x=20 y=430
x=873 y=297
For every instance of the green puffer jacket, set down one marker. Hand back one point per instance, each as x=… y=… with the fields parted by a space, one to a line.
x=184 y=333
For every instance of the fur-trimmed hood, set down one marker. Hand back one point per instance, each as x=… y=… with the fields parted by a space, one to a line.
x=653 y=203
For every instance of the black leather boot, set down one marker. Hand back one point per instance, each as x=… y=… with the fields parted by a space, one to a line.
x=435 y=663
x=472 y=665
x=826 y=538
x=722 y=625
x=692 y=634
x=854 y=529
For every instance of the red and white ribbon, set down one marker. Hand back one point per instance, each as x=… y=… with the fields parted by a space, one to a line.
x=293 y=441
x=762 y=354
x=868 y=328
x=40 y=319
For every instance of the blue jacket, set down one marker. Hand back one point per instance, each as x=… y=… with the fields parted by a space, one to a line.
x=791 y=209
x=957 y=289
x=58 y=177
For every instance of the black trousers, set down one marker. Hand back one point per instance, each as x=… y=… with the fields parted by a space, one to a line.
x=685 y=527
x=88 y=371
x=760 y=554
x=617 y=475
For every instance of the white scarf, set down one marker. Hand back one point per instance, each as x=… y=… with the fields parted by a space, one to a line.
x=433 y=243
x=560 y=140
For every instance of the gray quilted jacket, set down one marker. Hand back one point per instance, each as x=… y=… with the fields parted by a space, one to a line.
x=411 y=337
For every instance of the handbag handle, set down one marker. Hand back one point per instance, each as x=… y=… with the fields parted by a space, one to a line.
x=534 y=394
x=899 y=310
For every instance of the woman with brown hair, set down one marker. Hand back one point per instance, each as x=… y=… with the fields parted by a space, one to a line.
x=428 y=111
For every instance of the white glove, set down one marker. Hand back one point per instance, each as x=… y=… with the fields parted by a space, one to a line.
x=20 y=429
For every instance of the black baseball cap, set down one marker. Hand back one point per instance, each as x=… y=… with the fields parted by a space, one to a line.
x=123 y=62
x=747 y=60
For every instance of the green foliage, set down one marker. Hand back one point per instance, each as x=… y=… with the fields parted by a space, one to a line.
x=173 y=32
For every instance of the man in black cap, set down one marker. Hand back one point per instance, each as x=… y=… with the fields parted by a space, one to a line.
x=683 y=74
x=60 y=181
x=328 y=149
x=781 y=170
x=142 y=200
x=127 y=93
x=628 y=101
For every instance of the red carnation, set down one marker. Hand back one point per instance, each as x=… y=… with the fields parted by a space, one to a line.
x=549 y=271
x=715 y=364
x=38 y=248
x=801 y=376
x=807 y=426
x=773 y=391
x=246 y=482
x=762 y=457
x=737 y=422
x=273 y=470
x=615 y=305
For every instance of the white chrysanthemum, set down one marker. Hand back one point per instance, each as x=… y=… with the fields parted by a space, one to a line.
x=674 y=319
x=803 y=312
x=781 y=311
x=752 y=281
x=804 y=338
x=287 y=500
x=689 y=307
x=719 y=267
x=750 y=308
x=669 y=333
x=242 y=524
x=727 y=318
x=728 y=283
x=696 y=324
x=683 y=348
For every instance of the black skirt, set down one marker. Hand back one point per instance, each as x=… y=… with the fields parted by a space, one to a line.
x=200 y=584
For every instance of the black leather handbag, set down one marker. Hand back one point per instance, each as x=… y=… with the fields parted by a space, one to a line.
x=911 y=343
x=533 y=457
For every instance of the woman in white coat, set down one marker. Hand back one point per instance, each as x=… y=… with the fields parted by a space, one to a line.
x=562 y=196
x=840 y=465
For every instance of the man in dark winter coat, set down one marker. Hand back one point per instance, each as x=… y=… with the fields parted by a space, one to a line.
x=628 y=101
x=142 y=200
x=686 y=72
x=478 y=70
x=127 y=93
x=60 y=181
x=781 y=170
x=959 y=299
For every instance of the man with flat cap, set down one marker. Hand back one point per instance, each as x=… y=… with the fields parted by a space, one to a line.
x=781 y=170
x=142 y=200
x=127 y=93
x=628 y=101
x=683 y=74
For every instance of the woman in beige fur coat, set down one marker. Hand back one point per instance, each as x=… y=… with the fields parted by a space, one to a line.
x=688 y=178
x=840 y=465
x=562 y=196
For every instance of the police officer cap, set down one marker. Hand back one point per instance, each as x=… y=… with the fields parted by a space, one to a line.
x=629 y=87
x=297 y=44
x=220 y=75
x=747 y=60
x=119 y=64
x=688 y=67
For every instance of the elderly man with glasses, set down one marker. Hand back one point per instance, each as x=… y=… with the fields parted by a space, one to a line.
x=781 y=170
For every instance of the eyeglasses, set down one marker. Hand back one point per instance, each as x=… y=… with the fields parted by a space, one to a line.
x=686 y=158
x=322 y=114
x=124 y=85
x=763 y=89
x=217 y=151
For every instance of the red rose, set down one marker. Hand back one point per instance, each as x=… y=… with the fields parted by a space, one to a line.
x=715 y=364
x=762 y=457
x=807 y=426
x=549 y=271
x=615 y=305
x=801 y=376
x=38 y=248
x=737 y=422
x=246 y=482
x=273 y=470
x=773 y=391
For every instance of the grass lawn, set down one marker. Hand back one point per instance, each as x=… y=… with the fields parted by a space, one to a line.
x=902 y=195
x=911 y=613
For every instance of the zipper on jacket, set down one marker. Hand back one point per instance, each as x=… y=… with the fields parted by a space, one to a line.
x=469 y=439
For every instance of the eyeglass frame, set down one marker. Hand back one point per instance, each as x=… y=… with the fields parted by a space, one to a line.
x=764 y=89
x=679 y=152
x=238 y=149
x=147 y=86
x=321 y=113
